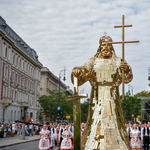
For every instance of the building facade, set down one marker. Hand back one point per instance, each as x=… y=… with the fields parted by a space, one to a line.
x=19 y=77
x=50 y=82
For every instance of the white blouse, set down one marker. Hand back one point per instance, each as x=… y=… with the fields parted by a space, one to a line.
x=135 y=132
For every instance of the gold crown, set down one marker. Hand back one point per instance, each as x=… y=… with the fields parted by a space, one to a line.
x=105 y=39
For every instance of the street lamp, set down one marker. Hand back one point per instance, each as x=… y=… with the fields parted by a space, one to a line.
x=130 y=87
x=58 y=117
x=148 y=74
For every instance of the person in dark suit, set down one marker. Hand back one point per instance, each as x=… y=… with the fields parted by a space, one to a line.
x=138 y=127
x=145 y=136
x=61 y=131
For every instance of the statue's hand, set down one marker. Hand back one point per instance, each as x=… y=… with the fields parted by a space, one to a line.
x=76 y=72
x=124 y=66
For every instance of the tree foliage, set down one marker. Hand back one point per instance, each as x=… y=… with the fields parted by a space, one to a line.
x=84 y=110
x=49 y=104
x=127 y=104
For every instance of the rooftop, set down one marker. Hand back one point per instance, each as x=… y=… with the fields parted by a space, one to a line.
x=4 y=27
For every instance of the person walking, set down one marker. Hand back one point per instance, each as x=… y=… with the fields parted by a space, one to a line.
x=135 y=138
x=62 y=129
x=5 y=130
x=66 y=143
x=145 y=135
x=44 y=143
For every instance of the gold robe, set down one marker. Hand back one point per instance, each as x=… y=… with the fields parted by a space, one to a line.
x=105 y=128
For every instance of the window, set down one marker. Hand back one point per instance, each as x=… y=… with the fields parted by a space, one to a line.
x=6 y=71
x=17 y=61
x=20 y=63
x=6 y=52
x=12 y=94
x=26 y=83
x=23 y=66
x=16 y=77
x=14 y=59
x=13 y=76
x=5 y=93
x=15 y=95
x=26 y=67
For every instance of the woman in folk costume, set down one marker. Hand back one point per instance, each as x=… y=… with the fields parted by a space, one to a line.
x=66 y=143
x=44 y=143
x=135 y=141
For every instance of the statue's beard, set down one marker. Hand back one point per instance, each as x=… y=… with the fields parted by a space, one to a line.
x=106 y=53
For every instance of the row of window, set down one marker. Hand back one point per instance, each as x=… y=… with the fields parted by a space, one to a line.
x=19 y=96
x=20 y=62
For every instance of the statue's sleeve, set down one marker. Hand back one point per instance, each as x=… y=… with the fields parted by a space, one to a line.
x=86 y=71
x=128 y=76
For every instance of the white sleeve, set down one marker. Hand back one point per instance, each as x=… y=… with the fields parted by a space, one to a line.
x=59 y=134
x=55 y=133
x=142 y=133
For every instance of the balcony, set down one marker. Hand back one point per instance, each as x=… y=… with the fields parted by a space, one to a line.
x=25 y=105
x=7 y=102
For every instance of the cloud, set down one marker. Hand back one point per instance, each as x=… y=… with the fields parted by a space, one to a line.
x=67 y=33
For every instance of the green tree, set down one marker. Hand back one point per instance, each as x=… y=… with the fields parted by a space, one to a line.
x=84 y=110
x=40 y=117
x=127 y=104
x=49 y=104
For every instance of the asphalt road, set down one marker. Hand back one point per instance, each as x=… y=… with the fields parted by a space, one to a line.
x=24 y=146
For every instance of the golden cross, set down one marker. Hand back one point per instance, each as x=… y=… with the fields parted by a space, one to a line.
x=105 y=33
x=123 y=42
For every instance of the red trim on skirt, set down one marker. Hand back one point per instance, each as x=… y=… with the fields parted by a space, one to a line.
x=45 y=149
x=68 y=148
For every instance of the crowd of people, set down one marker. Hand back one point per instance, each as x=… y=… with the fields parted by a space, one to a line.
x=139 y=135
x=15 y=129
x=62 y=135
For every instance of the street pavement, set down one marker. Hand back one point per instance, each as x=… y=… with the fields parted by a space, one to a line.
x=24 y=146
x=9 y=141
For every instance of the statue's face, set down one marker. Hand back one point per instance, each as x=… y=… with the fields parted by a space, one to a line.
x=106 y=50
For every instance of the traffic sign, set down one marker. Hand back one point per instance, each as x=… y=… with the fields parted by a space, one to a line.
x=68 y=117
x=59 y=108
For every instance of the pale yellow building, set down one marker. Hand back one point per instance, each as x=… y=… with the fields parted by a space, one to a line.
x=50 y=82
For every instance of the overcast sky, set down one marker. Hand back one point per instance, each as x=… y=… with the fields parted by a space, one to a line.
x=67 y=32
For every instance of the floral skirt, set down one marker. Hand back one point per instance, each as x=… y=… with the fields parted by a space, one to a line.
x=66 y=144
x=44 y=144
x=136 y=144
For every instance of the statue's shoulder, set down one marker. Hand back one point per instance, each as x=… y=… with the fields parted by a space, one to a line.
x=91 y=60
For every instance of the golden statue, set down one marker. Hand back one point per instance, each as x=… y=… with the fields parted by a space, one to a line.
x=105 y=129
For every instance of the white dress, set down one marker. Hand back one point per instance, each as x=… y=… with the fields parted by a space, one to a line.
x=66 y=144
x=135 y=142
x=44 y=143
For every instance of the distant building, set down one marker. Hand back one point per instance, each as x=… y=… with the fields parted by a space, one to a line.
x=50 y=82
x=19 y=77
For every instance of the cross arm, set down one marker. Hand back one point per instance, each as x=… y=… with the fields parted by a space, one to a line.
x=122 y=26
x=123 y=42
